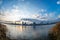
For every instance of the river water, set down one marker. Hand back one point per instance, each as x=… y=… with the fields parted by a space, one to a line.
x=20 y=32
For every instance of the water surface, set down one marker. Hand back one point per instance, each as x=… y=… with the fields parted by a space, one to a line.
x=19 y=32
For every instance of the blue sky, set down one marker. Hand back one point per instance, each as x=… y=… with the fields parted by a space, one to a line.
x=38 y=9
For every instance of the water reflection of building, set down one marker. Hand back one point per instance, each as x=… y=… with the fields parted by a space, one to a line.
x=20 y=28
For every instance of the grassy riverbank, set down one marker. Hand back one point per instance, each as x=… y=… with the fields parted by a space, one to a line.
x=54 y=33
x=3 y=30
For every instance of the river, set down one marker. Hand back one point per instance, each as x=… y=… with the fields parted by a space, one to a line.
x=20 y=32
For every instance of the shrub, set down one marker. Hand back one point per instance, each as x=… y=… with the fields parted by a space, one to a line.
x=54 y=33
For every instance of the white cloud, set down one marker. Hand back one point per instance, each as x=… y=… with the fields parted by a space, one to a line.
x=58 y=2
x=58 y=16
x=45 y=16
x=16 y=13
x=15 y=6
x=38 y=16
x=12 y=15
x=42 y=10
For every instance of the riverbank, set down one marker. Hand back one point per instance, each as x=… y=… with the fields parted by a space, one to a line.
x=54 y=32
x=3 y=30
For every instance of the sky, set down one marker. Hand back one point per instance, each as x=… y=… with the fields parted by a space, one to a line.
x=13 y=10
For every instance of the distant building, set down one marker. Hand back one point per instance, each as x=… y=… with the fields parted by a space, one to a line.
x=26 y=21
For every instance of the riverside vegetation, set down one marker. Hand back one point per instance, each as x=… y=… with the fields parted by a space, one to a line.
x=54 y=33
x=3 y=30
